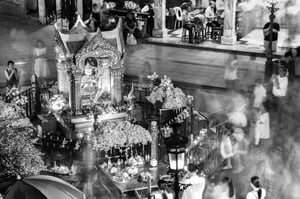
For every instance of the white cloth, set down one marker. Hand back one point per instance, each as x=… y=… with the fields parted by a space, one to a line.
x=260 y=93
x=254 y=194
x=231 y=71
x=283 y=85
x=262 y=127
x=221 y=191
x=41 y=68
x=195 y=191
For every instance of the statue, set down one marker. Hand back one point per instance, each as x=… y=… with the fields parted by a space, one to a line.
x=88 y=81
x=104 y=80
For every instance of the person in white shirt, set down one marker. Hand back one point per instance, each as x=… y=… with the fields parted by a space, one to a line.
x=280 y=86
x=257 y=192
x=260 y=93
x=210 y=16
x=262 y=126
x=197 y=184
x=230 y=74
x=224 y=190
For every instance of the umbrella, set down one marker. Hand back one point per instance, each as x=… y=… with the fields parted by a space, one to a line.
x=39 y=187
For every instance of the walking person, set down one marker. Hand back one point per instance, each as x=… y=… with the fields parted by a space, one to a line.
x=195 y=191
x=257 y=192
x=41 y=68
x=230 y=74
x=11 y=74
x=279 y=91
x=262 y=127
x=224 y=190
x=266 y=31
x=260 y=94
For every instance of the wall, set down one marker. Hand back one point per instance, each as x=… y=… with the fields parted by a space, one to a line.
x=13 y=7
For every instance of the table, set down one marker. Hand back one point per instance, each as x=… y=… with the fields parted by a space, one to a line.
x=134 y=184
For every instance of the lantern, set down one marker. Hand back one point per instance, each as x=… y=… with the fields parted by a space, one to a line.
x=176 y=145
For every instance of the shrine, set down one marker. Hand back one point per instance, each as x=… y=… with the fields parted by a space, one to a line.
x=90 y=71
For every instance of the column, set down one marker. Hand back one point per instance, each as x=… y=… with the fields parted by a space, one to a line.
x=42 y=11
x=229 y=35
x=80 y=8
x=77 y=95
x=159 y=19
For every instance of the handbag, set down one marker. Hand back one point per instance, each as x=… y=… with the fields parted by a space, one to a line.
x=131 y=40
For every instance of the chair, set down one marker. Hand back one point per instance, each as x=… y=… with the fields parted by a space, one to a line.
x=216 y=33
x=199 y=33
x=179 y=18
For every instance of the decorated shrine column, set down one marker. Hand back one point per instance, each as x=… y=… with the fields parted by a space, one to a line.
x=229 y=35
x=159 y=19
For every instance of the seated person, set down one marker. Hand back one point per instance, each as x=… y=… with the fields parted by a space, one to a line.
x=131 y=26
x=199 y=27
x=210 y=15
x=220 y=8
x=187 y=23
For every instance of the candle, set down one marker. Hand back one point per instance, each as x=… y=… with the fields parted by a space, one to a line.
x=192 y=138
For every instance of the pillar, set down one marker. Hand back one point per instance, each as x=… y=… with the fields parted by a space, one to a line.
x=159 y=19
x=42 y=11
x=229 y=34
x=80 y=8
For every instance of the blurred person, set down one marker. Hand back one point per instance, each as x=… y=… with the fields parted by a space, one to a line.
x=224 y=190
x=240 y=148
x=226 y=148
x=197 y=184
x=260 y=93
x=230 y=74
x=95 y=17
x=279 y=91
x=257 y=192
x=290 y=65
x=220 y=6
x=262 y=127
x=131 y=27
x=266 y=31
x=187 y=18
x=11 y=74
x=41 y=69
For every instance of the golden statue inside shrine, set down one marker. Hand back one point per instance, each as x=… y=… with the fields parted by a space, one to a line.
x=90 y=66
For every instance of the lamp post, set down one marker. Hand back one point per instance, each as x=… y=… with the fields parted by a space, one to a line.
x=176 y=145
x=269 y=53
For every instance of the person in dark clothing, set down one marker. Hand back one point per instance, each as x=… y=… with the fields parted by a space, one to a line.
x=95 y=16
x=290 y=66
x=11 y=74
x=266 y=30
x=131 y=26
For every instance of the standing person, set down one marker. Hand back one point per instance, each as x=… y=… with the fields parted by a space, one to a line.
x=95 y=17
x=262 y=127
x=280 y=86
x=290 y=65
x=260 y=93
x=266 y=31
x=195 y=191
x=224 y=190
x=226 y=148
x=257 y=192
x=230 y=74
x=11 y=75
x=240 y=148
x=41 y=68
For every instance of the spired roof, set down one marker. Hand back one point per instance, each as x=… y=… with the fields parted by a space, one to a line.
x=80 y=35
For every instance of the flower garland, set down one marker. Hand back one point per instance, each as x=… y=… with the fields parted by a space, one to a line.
x=14 y=96
x=167 y=94
x=117 y=134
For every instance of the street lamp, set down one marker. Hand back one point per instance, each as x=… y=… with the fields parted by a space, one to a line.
x=269 y=66
x=176 y=146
